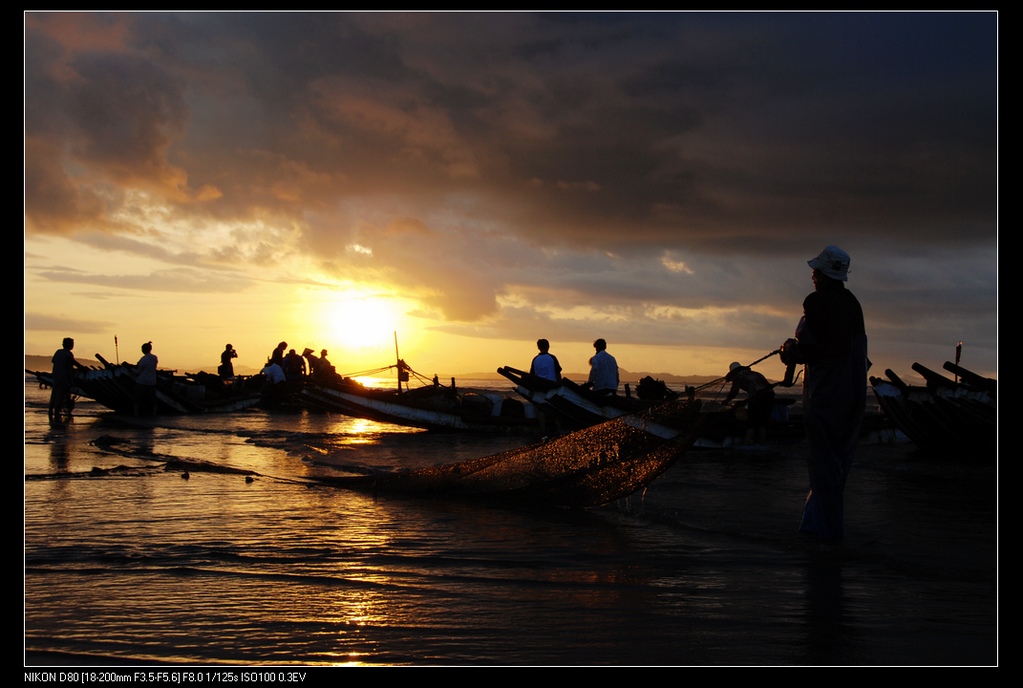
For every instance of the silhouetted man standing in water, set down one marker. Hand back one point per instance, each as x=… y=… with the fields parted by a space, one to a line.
x=831 y=341
x=64 y=365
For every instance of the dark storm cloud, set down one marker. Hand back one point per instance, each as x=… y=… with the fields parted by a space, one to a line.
x=112 y=115
x=609 y=93
x=693 y=129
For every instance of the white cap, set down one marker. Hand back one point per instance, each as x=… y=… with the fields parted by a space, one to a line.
x=833 y=262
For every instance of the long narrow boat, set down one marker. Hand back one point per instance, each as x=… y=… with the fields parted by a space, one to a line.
x=113 y=386
x=946 y=416
x=431 y=406
x=577 y=406
x=587 y=468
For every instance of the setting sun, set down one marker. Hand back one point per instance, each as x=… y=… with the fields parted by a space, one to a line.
x=356 y=321
x=329 y=204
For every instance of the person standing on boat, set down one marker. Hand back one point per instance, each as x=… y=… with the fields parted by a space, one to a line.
x=603 y=370
x=226 y=368
x=63 y=372
x=831 y=342
x=145 y=380
x=278 y=354
x=294 y=366
x=314 y=362
x=545 y=364
x=760 y=394
x=324 y=369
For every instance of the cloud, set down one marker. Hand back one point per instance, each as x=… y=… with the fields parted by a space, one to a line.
x=665 y=175
x=638 y=120
x=97 y=122
x=50 y=323
x=172 y=280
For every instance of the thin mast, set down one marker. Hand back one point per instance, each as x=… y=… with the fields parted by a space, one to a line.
x=397 y=359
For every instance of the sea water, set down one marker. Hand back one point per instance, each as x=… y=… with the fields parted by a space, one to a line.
x=205 y=541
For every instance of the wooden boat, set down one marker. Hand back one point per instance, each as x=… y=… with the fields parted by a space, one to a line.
x=113 y=386
x=589 y=467
x=575 y=406
x=432 y=406
x=579 y=407
x=957 y=416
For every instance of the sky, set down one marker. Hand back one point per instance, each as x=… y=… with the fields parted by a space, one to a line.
x=458 y=185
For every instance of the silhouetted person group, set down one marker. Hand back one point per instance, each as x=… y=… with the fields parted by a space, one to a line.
x=294 y=367
x=830 y=341
x=603 y=377
x=319 y=366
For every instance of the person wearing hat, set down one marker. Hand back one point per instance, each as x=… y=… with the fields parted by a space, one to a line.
x=311 y=357
x=760 y=394
x=324 y=368
x=831 y=343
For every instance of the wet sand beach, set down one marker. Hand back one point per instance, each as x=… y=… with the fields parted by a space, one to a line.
x=198 y=541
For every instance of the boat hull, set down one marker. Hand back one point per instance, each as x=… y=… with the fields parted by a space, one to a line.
x=576 y=407
x=570 y=403
x=114 y=388
x=945 y=416
x=428 y=408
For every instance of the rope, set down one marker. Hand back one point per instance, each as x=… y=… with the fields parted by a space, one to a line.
x=368 y=373
x=422 y=379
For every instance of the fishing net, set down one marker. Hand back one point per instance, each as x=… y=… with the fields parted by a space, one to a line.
x=589 y=467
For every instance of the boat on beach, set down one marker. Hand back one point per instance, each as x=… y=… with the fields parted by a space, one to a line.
x=945 y=416
x=431 y=406
x=575 y=406
x=586 y=468
x=113 y=386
